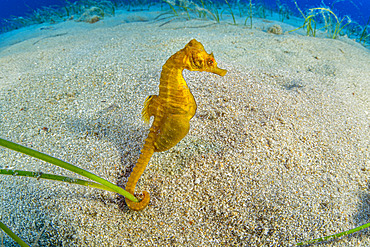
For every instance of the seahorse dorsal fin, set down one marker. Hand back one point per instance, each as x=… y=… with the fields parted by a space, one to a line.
x=147 y=111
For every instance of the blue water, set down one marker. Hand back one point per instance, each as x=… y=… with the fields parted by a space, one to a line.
x=9 y=8
x=357 y=10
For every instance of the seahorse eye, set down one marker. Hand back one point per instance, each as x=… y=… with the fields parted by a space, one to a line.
x=210 y=62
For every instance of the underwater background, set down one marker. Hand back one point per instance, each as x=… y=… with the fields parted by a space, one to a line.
x=278 y=151
x=356 y=10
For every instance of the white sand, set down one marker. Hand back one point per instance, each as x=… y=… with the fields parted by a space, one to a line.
x=278 y=151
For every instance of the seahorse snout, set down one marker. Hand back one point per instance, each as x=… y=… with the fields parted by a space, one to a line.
x=218 y=71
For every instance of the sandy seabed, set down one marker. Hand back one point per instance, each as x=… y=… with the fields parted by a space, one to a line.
x=278 y=151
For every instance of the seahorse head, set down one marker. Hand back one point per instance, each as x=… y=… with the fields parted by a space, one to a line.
x=197 y=59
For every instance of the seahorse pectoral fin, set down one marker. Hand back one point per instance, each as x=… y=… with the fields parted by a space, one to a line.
x=148 y=109
x=218 y=71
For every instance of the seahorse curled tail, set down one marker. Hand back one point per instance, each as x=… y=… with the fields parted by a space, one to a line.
x=146 y=153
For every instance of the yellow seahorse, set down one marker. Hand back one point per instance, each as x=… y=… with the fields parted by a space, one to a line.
x=172 y=109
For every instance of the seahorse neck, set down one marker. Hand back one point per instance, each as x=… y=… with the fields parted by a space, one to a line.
x=171 y=76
